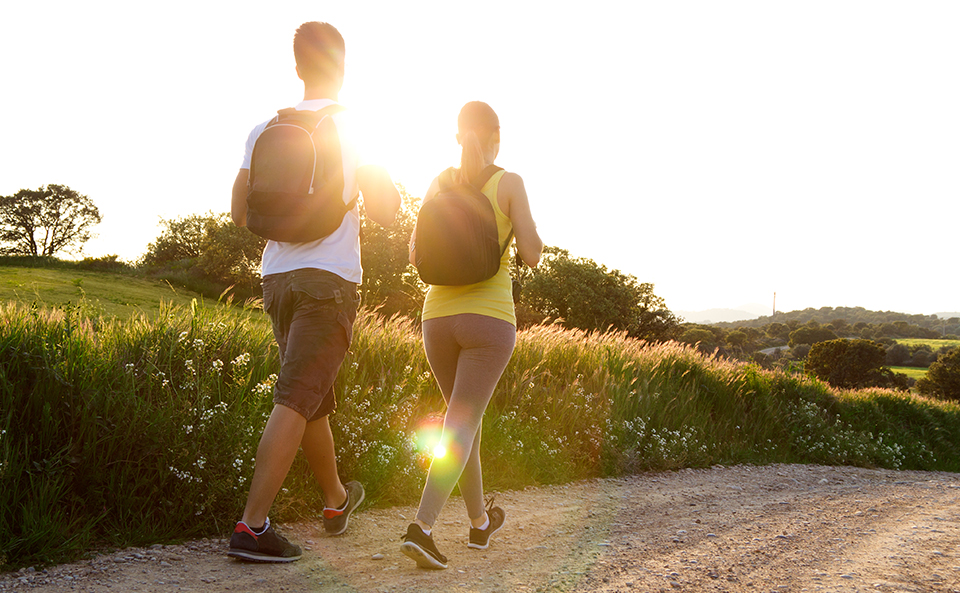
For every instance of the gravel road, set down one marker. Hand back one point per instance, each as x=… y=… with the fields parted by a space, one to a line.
x=777 y=528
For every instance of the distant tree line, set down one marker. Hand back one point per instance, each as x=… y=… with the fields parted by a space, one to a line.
x=855 y=316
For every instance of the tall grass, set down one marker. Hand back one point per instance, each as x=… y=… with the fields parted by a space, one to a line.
x=117 y=432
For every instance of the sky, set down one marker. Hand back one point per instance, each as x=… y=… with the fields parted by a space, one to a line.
x=723 y=151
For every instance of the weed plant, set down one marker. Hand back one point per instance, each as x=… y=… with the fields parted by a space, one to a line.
x=132 y=431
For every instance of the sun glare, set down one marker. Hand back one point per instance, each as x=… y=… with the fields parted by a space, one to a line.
x=413 y=148
x=427 y=438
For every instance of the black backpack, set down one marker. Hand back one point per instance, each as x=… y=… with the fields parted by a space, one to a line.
x=295 y=188
x=456 y=239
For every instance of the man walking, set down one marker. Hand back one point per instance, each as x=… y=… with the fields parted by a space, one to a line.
x=310 y=293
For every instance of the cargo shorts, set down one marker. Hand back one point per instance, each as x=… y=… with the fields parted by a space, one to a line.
x=312 y=312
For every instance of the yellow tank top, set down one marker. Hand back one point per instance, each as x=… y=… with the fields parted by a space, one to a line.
x=492 y=297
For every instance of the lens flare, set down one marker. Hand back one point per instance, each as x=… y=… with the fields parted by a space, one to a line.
x=426 y=438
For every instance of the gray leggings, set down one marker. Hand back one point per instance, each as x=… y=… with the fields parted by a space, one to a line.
x=467 y=354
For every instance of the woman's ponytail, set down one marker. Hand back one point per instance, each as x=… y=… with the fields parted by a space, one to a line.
x=477 y=124
x=471 y=157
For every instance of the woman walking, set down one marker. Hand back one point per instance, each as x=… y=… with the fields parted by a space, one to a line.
x=469 y=333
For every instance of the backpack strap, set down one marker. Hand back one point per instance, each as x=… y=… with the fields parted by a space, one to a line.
x=449 y=177
x=485 y=176
x=482 y=180
x=311 y=118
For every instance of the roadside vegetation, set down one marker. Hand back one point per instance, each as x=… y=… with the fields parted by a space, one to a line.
x=133 y=394
x=133 y=430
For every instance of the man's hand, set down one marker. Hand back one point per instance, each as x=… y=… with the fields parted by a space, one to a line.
x=381 y=200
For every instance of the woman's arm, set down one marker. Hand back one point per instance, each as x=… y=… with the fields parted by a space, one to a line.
x=513 y=195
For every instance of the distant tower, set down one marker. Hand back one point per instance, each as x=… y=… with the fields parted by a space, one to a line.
x=774 y=305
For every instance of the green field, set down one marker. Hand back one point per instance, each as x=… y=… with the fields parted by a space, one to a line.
x=106 y=293
x=912 y=372
x=934 y=344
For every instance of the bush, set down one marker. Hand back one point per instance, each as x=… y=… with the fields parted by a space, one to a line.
x=107 y=263
x=848 y=364
x=207 y=254
x=943 y=377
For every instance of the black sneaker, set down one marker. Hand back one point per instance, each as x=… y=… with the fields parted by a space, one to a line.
x=335 y=522
x=269 y=546
x=419 y=546
x=480 y=538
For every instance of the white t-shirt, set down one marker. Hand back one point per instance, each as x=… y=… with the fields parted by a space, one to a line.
x=339 y=252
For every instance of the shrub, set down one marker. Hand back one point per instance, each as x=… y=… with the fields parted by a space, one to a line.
x=208 y=254
x=943 y=377
x=847 y=363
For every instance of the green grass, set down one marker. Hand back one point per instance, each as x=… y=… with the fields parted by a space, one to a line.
x=105 y=293
x=912 y=372
x=131 y=430
x=933 y=344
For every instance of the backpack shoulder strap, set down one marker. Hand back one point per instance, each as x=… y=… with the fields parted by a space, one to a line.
x=449 y=177
x=485 y=176
x=306 y=117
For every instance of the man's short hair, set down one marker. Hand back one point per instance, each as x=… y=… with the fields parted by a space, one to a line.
x=318 y=49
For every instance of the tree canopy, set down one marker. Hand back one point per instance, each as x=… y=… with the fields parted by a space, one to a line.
x=46 y=221
x=390 y=284
x=851 y=364
x=578 y=292
x=208 y=253
x=943 y=377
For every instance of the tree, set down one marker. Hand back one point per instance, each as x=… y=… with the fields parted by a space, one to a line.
x=943 y=377
x=808 y=334
x=578 y=292
x=778 y=331
x=208 y=253
x=46 y=221
x=704 y=339
x=897 y=355
x=390 y=284
x=850 y=364
x=182 y=238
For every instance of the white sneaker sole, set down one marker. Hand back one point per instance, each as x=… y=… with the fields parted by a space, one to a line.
x=421 y=556
x=248 y=556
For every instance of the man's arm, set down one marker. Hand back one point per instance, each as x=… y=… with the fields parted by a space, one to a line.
x=238 y=201
x=381 y=200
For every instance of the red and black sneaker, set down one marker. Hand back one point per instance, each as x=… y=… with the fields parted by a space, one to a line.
x=267 y=546
x=335 y=520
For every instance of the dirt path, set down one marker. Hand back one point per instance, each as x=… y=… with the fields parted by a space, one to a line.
x=779 y=528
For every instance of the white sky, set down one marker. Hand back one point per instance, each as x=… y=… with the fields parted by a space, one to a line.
x=722 y=150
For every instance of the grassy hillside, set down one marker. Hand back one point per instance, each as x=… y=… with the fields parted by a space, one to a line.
x=141 y=429
x=106 y=293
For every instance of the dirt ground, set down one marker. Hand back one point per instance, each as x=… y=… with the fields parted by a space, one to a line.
x=779 y=528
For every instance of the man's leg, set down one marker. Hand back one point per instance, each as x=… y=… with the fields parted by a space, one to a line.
x=318 y=448
x=278 y=446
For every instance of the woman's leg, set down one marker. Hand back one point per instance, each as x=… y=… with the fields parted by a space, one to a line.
x=467 y=353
